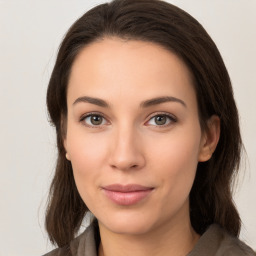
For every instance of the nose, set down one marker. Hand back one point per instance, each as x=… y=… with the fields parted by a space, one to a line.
x=127 y=150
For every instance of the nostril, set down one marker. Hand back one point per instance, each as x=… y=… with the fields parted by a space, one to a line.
x=127 y=167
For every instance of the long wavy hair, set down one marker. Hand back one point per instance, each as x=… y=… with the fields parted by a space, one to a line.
x=166 y=25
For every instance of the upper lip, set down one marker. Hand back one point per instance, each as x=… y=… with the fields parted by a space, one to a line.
x=126 y=188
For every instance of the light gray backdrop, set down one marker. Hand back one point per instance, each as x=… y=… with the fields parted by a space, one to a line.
x=30 y=32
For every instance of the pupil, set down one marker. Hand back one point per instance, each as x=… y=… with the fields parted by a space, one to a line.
x=96 y=120
x=160 y=120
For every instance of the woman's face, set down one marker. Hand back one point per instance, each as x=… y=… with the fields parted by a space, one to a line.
x=133 y=134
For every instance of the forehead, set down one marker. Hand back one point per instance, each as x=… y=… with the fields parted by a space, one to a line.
x=113 y=67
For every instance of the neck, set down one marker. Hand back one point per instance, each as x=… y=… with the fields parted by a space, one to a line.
x=178 y=240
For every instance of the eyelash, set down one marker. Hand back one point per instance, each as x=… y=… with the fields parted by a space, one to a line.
x=82 y=119
x=172 y=119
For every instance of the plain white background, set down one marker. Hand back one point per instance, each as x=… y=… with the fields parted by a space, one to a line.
x=30 y=32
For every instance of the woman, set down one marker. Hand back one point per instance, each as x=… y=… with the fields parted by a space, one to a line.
x=148 y=136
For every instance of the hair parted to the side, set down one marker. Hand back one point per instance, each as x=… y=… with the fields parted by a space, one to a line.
x=172 y=28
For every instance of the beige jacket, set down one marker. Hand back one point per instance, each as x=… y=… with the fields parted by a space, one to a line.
x=214 y=242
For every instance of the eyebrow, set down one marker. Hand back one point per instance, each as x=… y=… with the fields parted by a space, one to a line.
x=95 y=101
x=160 y=100
x=144 y=104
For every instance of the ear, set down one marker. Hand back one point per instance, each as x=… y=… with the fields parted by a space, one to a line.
x=64 y=134
x=210 y=138
x=67 y=156
x=65 y=146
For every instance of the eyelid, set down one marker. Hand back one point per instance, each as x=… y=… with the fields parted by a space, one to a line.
x=84 y=116
x=171 y=116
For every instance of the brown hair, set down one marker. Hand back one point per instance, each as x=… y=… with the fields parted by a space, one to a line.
x=167 y=25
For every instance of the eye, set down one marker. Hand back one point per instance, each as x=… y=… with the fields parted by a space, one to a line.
x=161 y=120
x=93 y=120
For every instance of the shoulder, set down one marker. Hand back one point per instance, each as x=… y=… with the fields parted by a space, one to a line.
x=83 y=245
x=59 y=252
x=235 y=247
x=217 y=242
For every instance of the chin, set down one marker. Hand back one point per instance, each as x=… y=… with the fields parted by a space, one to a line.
x=129 y=225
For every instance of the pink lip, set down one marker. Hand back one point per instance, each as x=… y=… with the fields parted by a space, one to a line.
x=126 y=194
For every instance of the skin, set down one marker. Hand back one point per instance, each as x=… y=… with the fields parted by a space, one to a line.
x=128 y=146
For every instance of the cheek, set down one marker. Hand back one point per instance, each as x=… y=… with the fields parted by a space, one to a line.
x=86 y=149
x=176 y=159
x=87 y=155
x=177 y=148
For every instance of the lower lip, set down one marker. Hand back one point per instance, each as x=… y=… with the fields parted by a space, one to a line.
x=127 y=198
